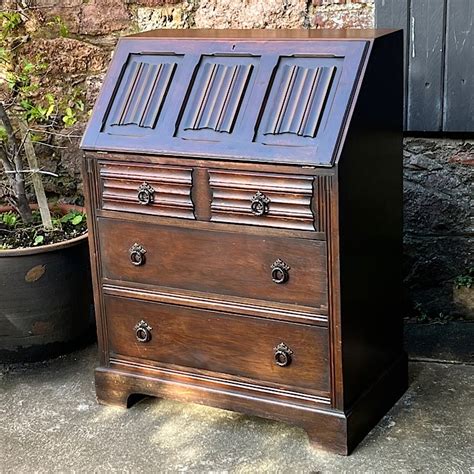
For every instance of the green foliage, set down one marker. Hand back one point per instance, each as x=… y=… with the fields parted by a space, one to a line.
x=421 y=315
x=465 y=281
x=40 y=111
x=4 y=55
x=10 y=21
x=9 y=218
x=73 y=217
x=57 y=21
x=20 y=81
x=74 y=107
x=3 y=134
x=69 y=117
x=39 y=239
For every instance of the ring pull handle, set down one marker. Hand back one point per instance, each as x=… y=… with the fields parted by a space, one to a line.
x=137 y=254
x=259 y=204
x=143 y=331
x=282 y=355
x=146 y=194
x=280 y=272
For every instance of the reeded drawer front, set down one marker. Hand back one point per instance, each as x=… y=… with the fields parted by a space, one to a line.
x=250 y=266
x=256 y=348
x=147 y=189
x=264 y=199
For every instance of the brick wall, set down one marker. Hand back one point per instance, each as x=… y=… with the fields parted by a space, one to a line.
x=438 y=226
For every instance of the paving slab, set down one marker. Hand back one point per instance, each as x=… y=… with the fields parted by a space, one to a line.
x=50 y=422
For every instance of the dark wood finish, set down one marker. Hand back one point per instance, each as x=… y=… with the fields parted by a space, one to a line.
x=288 y=199
x=327 y=428
x=371 y=306
x=245 y=205
x=220 y=97
x=231 y=344
x=168 y=189
x=395 y=13
x=193 y=260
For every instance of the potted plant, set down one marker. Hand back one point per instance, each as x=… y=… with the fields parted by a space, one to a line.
x=45 y=288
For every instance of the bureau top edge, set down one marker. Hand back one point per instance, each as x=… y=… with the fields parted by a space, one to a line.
x=265 y=34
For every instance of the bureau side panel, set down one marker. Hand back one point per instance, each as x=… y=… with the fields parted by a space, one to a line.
x=90 y=177
x=370 y=223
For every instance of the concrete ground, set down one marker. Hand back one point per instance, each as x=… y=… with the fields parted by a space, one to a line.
x=50 y=422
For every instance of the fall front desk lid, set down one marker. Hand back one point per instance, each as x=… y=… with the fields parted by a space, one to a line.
x=268 y=96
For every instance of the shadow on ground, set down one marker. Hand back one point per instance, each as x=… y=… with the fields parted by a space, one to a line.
x=50 y=422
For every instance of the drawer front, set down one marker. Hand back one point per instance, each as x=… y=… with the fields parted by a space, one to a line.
x=230 y=344
x=225 y=263
x=147 y=189
x=264 y=199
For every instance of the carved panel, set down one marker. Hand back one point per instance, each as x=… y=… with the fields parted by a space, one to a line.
x=302 y=94
x=289 y=199
x=297 y=101
x=217 y=95
x=122 y=182
x=141 y=92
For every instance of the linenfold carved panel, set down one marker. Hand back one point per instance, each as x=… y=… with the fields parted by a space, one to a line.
x=141 y=92
x=297 y=100
x=217 y=95
x=302 y=94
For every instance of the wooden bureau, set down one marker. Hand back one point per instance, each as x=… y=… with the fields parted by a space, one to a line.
x=244 y=193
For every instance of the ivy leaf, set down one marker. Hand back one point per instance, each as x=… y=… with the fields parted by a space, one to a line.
x=77 y=219
x=39 y=239
x=67 y=217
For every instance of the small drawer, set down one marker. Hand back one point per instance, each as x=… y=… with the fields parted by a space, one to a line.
x=146 y=189
x=274 y=269
x=263 y=199
x=256 y=348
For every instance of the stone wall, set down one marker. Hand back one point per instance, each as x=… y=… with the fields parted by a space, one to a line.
x=438 y=227
x=438 y=220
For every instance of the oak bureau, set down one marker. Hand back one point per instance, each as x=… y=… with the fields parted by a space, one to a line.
x=244 y=192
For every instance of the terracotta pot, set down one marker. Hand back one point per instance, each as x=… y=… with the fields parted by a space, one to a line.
x=45 y=299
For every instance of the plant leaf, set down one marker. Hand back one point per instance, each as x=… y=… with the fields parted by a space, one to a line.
x=77 y=219
x=39 y=239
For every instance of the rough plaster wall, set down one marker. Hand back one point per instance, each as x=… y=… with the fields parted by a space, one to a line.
x=438 y=228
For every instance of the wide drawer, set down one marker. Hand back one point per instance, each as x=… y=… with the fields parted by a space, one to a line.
x=227 y=263
x=256 y=348
x=146 y=189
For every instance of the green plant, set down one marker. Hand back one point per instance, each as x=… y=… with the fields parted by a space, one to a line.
x=420 y=314
x=9 y=218
x=10 y=20
x=37 y=112
x=73 y=217
x=32 y=113
x=57 y=21
x=69 y=117
x=465 y=281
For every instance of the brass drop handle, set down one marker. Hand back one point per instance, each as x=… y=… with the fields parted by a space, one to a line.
x=280 y=272
x=146 y=194
x=259 y=204
x=282 y=355
x=143 y=331
x=137 y=254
